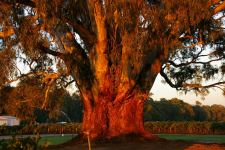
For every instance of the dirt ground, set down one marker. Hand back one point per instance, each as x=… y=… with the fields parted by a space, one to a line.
x=139 y=144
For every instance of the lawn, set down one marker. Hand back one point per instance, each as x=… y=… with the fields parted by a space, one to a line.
x=54 y=140
x=195 y=138
x=175 y=142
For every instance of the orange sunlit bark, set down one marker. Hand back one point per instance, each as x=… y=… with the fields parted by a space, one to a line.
x=220 y=7
x=6 y=33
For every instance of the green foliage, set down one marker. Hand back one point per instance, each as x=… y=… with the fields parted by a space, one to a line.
x=177 y=110
x=219 y=126
x=71 y=110
x=61 y=106
x=19 y=144
x=73 y=107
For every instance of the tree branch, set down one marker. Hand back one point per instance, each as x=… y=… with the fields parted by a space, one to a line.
x=193 y=62
x=7 y=33
x=192 y=86
x=49 y=80
x=214 y=84
x=68 y=83
x=203 y=86
x=162 y=73
x=18 y=78
x=220 y=7
x=86 y=35
x=45 y=49
x=101 y=63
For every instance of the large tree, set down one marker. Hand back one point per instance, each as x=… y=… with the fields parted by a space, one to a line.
x=113 y=50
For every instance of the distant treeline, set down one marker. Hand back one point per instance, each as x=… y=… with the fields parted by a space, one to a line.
x=71 y=110
x=178 y=110
x=163 y=110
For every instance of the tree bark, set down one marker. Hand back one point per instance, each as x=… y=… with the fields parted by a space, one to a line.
x=108 y=119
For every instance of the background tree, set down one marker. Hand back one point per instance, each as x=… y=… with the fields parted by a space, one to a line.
x=4 y=94
x=218 y=112
x=73 y=107
x=71 y=110
x=113 y=50
x=28 y=96
x=177 y=110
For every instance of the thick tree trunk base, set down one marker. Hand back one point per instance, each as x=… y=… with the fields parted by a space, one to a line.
x=108 y=121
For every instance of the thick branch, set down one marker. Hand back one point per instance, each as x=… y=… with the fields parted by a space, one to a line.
x=7 y=33
x=219 y=8
x=46 y=50
x=75 y=58
x=162 y=73
x=100 y=58
x=49 y=80
x=86 y=35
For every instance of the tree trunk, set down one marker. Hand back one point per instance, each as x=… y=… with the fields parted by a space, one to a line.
x=108 y=119
x=115 y=77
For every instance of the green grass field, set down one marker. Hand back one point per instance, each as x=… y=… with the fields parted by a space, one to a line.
x=54 y=140
x=195 y=138
x=184 y=137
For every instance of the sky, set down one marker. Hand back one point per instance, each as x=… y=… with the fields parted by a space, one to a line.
x=162 y=90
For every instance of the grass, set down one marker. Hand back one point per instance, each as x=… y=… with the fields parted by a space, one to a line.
x=195 y=138
x=54 y=140
x=184 y=137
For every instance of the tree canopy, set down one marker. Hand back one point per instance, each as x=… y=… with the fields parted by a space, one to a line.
x=188 y=33
x=27 y=97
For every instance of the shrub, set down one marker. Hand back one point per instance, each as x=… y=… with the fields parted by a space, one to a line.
x=19 y=143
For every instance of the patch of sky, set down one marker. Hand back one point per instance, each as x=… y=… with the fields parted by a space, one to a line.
x=144 y=23
x=1 y=44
